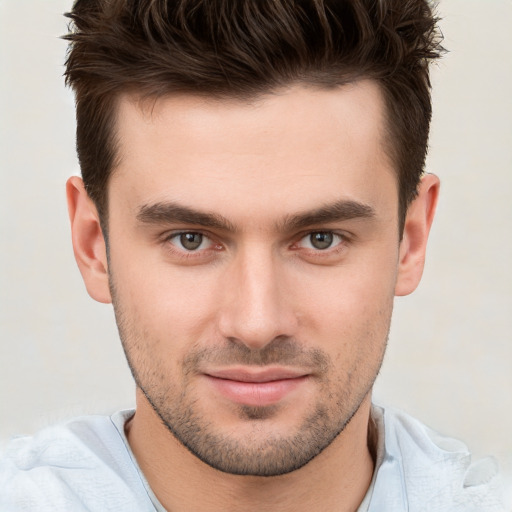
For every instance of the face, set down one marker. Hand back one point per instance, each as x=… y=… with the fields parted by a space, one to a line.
x=253 y=261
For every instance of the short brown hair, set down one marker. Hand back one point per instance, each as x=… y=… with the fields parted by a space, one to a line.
x=243 y=48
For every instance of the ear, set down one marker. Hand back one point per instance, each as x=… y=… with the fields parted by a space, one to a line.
x=88 y=242
x=413 y=246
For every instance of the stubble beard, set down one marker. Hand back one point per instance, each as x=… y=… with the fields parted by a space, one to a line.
x=265 y=455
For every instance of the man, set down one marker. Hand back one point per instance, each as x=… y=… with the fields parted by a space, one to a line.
x=253 y=198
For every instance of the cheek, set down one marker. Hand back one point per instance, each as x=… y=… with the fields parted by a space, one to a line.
x=349 y=308
x=348 y=292
x=168 y=305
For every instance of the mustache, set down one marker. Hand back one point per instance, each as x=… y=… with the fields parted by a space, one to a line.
x=280 y=351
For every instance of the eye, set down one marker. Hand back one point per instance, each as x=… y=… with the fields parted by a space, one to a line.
x=190 y=241
x=320 y=240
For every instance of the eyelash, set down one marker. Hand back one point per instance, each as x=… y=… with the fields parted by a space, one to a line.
x=190 y=254
x=342 y=238
x=217 y=247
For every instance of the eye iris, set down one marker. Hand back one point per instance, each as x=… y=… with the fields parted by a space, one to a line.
x=321 y=240
x=191 y=241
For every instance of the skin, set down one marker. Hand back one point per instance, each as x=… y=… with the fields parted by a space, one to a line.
x=256 y=295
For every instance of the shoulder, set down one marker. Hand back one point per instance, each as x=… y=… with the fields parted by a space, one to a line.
x=430 y=471
x=69 y=467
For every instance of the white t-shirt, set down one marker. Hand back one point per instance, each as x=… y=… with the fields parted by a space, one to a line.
x=86 y=465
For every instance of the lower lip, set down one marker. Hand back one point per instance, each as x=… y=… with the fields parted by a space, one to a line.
x=256 y=394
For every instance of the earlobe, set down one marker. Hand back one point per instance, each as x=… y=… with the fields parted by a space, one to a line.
x=418 y=221
x=88 y=242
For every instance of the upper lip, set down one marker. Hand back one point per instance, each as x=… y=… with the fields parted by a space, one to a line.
x=256 y=374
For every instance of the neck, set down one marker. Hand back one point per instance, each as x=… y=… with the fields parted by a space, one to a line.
x=336 y=480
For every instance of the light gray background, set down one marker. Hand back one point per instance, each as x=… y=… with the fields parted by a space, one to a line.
x=450 y=355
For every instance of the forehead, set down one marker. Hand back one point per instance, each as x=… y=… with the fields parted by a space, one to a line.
x=299 y=145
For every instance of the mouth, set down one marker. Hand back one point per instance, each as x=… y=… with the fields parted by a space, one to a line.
x=256 y=387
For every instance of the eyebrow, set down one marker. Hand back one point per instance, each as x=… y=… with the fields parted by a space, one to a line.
x=338 y=211
x=172 y=213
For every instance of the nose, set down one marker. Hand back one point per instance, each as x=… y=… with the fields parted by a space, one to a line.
x=256 y=303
